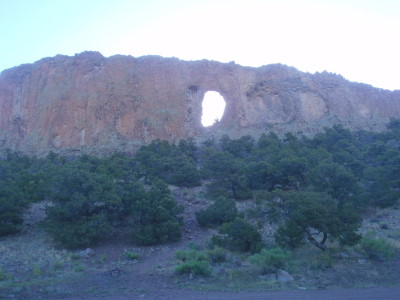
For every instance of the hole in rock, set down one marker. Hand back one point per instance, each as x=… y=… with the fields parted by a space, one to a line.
x=213 y=108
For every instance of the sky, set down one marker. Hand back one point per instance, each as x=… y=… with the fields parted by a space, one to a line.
x=356 y=39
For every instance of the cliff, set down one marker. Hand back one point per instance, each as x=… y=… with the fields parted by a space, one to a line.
x=95 y=104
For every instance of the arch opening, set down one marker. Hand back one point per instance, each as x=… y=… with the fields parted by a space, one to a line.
x=213 y=107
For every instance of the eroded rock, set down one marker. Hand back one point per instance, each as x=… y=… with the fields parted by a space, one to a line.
x=89 y=103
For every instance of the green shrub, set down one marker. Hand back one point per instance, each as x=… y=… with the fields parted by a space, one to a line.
x=321 y=262
x=58 y=265
x=239 y=235
x=190 y=255
x=222 y=211
x=79 y=268
x=193 y=262
x=193 y=246
x=80 y=233
x=289 y=235
x=85 y=204
x=131 y=255
x=4 y=275
x=217 y=254
x=156 y=217
x=301 y=213
x=377 y=249
x=269 y=260
x=36 y=271
x=10 y=222
x=10 y=211
x=194 y=267
x=174 y=165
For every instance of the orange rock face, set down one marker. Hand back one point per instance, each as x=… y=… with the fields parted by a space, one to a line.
x=88 y=103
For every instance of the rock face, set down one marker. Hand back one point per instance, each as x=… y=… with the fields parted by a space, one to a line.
x=95 y=104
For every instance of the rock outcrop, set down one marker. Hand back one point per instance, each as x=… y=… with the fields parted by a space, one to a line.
x=95 y=104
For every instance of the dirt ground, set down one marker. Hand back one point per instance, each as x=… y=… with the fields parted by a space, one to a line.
x=348 y=294
x=35 y=269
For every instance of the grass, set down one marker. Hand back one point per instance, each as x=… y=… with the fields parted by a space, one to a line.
x=79 y=268
x=235 y=281
x=4 y=275
x=377 y=248
x=102 y=258
x=36 y=272
x=132 y=255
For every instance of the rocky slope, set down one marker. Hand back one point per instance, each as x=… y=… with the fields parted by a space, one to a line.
x=95 y=104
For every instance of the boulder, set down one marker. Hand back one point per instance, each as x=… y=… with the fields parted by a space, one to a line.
x=87 y=253
x=283 y=276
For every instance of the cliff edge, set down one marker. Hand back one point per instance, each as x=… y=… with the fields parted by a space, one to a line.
x=89 y=103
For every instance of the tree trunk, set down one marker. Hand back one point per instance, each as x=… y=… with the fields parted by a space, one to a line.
x=321 y=245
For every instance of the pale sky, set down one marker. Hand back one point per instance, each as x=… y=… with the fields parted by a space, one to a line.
x=357 y=39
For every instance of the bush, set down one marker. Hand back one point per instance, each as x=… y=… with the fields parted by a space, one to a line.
x=11 y=206
x=85 y=204
x=217 y=254
x=174 y=165
x=190 y=255
x=377 y=249
x=269 y=260
x=156 y=217
x=80 y=233
x=131 y=255
x=323 y=261
x=4 y=275
x=315 y=216
x=289 y=235
x=193 y=262
x=239 y=235
x=10 y=219
x=222 y=211
x=194 y=267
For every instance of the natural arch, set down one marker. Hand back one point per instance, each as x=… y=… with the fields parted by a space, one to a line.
x=213 y=107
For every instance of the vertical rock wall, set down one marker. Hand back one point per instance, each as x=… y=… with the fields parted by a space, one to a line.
x=94 y=104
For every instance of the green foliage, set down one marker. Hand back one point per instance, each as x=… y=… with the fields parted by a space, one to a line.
x=380 y=190
x=79 y=268
x=238 y=235
x=192 y=262
x=81 y=233
x=377 y=248
x=201 y=268
x=241 y=147
x=20 y=184
x=173 y=164
x=227 y=173
x=329 y=179
x=269 y=260
x=92 y=197
x=313 y=216
x=4 y=275
x=289 y=234
x=155 y=217
x=217 y=254
x=36 y=271
x=190 y=255
x=222 y=211
x=10 y=217
x=324 y=261
x=131 y=255
x=85 y=204
x=334 y=179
